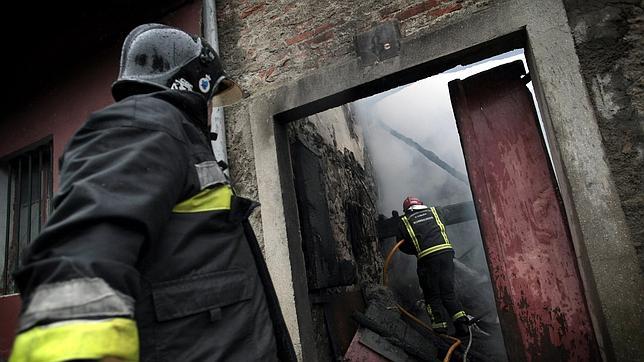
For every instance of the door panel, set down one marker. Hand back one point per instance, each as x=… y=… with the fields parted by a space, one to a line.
x=539 y=294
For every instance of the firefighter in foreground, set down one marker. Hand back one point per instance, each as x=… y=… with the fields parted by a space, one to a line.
x=426 y=238
x=148 y=253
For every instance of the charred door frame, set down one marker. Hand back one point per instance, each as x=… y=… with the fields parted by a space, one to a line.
x=570 y=125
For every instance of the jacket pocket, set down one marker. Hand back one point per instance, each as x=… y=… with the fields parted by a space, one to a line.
x=204 y=292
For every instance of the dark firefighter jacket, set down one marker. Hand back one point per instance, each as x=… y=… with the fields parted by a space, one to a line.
x=147 y=243
x=424 y=232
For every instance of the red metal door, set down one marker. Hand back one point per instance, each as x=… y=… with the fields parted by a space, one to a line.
x=539 y=295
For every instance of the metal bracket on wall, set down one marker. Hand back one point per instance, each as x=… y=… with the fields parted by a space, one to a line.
x=379 y=43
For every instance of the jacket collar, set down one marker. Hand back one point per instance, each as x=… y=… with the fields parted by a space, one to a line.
x=192 y=104
x=417 y=207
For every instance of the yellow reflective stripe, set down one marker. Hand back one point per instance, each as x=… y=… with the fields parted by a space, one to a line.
x=207 y=200
x=411 y=232
x=439 y=325
x=440 y=225
x=458 y=315
x=434 y=249
x=87 y=339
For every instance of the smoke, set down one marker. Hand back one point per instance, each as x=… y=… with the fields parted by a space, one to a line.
x=423 y=112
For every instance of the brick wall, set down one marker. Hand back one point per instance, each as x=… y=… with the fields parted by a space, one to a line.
x=610 y=46
x=266 y=44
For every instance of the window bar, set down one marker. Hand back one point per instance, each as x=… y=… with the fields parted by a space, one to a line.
x=41 y=192
x=14 y=242
x=5 y=267
x=29 y=157
x=11 y=228
x=50 y=179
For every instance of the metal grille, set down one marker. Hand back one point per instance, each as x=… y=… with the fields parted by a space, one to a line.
x=25 y=203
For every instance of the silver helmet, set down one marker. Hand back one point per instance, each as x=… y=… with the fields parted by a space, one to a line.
x=156 y=57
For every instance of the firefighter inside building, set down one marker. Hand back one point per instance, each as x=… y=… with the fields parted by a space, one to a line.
x=425 y=237
x=148 y=254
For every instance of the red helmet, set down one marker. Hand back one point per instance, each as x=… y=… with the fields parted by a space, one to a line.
x=411 y=201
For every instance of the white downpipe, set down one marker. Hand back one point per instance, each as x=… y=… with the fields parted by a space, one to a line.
x=209 y=15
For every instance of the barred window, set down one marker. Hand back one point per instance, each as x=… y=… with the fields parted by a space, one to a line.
x=25 y=203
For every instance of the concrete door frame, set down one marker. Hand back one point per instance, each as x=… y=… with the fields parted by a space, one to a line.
x=605 y=253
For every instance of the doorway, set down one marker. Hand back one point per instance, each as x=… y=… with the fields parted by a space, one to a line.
x=386 y=147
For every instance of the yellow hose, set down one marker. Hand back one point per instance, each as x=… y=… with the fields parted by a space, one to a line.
x=388 y=261
x=456 y=343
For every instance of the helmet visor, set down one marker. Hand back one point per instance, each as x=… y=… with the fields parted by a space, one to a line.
x=230 y=94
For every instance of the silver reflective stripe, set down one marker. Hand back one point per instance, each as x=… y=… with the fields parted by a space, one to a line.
x=75 y=299
x=210 y=174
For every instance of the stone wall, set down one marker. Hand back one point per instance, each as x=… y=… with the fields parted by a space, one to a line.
x=610 y=46
x=289 y=53
x=266 y=44
x=241 y=162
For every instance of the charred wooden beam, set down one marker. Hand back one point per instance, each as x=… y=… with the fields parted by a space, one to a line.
x=427 y=153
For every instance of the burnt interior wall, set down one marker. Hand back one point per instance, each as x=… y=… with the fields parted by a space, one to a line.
x=336 y=195
x=609 y=43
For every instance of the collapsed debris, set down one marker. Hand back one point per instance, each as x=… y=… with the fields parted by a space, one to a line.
x=387 y=333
